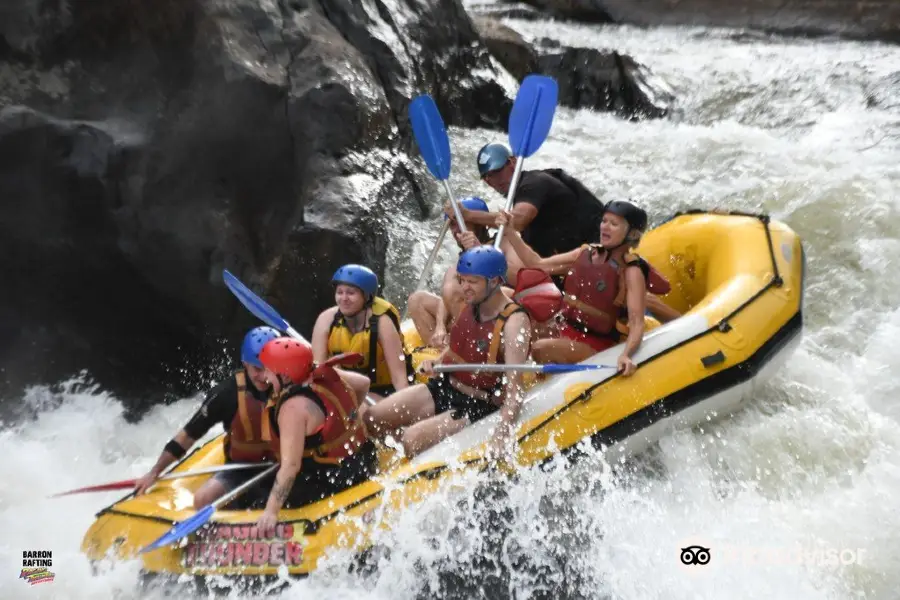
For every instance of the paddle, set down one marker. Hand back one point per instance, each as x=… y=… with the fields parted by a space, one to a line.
x=130 y=483
x=202 y=517
x=549 y=368
x=434 y=146
x=529 y=124
x=259 y=307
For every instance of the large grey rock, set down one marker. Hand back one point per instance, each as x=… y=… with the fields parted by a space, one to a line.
x=587 y=78
x=147 y=146
x=606 y=81
x=508 y=46
x=868 y=19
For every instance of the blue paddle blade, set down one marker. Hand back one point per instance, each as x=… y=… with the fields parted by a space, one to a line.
x=552 y=368
x=431 y=135
x=183 y=529
x=256 y=305
x=532 y=114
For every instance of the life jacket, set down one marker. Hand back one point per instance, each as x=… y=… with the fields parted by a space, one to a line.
x=247 y=440
x=342 y=433
x=472 y=341
x=537 y=294
x=341 y=340
x=656 y=282
x=595 y=294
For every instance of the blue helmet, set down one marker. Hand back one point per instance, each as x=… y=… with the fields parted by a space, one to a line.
x=482 y=261
x=255 y=339
x=492 y=157
x=359 y=276
x=472 y=203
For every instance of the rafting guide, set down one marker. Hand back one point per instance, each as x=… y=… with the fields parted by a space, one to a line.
x=36 y=566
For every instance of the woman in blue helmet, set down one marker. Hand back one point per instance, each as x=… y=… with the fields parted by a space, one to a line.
x=365 y=323
x=238 y=403
x=492 y=328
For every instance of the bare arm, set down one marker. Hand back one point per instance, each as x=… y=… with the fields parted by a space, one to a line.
x=167 y=458
x=635 y=300
x=295 y=421
x=389 y=338
x=558 y=264
x=320 y=334
x=516 y=345
x=523 y=214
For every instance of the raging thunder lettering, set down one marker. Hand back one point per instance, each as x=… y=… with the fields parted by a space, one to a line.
x=244 y=546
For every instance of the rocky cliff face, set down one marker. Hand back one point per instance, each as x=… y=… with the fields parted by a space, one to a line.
x=145 y=146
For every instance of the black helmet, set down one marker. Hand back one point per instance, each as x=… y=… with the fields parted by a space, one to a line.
x=635 y=216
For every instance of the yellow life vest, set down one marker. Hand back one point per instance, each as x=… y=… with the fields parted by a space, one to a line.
x=341 y=340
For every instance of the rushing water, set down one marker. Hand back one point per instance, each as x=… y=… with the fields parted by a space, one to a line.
x=812 y=466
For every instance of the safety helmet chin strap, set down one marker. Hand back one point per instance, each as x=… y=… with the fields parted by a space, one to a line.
x=624 y=241
x=476 y=306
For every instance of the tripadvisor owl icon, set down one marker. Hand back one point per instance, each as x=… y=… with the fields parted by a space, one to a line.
x=695 y=555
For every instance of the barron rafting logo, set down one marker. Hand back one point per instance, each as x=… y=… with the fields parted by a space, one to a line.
x=36 y=566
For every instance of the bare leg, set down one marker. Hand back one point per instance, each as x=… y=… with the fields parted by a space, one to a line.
x=210 y=491
x=408 y=406
x=425 y=434
x=359 y=382
x=423 y=308
x=561 y=350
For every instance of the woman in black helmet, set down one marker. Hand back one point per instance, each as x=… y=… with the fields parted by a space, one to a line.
x=604 y=292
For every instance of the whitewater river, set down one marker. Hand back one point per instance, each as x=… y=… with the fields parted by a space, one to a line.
x=811 y=471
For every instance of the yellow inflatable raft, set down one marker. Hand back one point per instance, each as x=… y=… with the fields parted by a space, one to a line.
x=738 y=281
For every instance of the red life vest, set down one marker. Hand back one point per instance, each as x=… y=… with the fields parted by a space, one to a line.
x=247 y=440
x=595 y=294
x=342 y=433
x=472 y=341
x=537 y=294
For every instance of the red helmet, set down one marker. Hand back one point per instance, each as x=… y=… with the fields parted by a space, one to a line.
x=288 y=357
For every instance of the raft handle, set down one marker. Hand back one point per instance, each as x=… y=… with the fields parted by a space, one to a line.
x=713 y=359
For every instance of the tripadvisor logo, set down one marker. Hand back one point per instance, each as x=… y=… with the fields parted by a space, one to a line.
x=36 y=566
x=697 y=557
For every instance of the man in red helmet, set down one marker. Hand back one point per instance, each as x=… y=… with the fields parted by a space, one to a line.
x=313 y=427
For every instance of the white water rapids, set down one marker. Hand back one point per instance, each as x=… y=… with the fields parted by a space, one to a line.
x=808 y=476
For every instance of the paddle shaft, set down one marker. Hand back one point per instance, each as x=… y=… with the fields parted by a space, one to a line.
x=437 y=245
x=243 y=487
x=215 y=469
x=517 y=172
x=486 y=367
x=548 y=368
x=459 y=220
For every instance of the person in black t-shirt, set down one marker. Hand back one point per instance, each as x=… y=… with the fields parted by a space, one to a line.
x=238 y=403
x=553 y=211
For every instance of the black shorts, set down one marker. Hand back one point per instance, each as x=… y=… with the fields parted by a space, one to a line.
x=232 y=479
x=446 y=397
x=315 y=481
